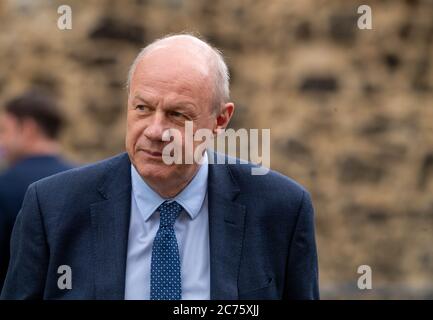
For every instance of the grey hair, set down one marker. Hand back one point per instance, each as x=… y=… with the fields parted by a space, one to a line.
x=221 y=72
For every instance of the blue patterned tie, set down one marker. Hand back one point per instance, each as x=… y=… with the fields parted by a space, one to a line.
x=165 y=281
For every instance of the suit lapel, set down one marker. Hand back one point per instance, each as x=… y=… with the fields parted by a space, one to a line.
x=226 y=232
x=110 y=225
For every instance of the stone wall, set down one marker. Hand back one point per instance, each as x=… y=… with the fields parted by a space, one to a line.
x=350 y=111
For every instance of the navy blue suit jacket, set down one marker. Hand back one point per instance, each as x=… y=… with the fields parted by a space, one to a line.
x=262 y=243
x=13 y=185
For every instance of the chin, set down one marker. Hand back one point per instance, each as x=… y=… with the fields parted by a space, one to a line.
x=154 y=171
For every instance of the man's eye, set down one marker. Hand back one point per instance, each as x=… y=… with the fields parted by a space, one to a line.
x=176 y=114
x=142 y=107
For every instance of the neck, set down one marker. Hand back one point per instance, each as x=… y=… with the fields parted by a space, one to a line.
x=42 y=148
x=170 y=189
x=168 y=193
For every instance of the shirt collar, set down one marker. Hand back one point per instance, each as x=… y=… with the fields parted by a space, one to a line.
x=191 y=198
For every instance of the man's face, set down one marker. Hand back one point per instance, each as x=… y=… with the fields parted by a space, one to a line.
x=11 y=137
x=167 y=89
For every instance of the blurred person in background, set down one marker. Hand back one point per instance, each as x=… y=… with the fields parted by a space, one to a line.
x=29 y=127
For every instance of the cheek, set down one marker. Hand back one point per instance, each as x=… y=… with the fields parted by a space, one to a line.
x=134 y=128
x=10 y=136
x=207 y=124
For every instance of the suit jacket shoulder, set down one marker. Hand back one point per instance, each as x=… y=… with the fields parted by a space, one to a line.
x=272 y=187
x=81 y=183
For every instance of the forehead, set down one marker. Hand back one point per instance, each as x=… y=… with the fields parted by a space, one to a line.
x=177 y=72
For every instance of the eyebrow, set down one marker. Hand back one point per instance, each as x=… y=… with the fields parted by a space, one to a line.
x=139 y=97
x=181 y=105
x=175 y=105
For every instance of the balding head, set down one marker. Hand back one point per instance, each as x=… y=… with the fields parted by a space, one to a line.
x=201 y=57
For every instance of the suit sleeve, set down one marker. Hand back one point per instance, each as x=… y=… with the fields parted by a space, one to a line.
x=27 y=270
x=302 y=275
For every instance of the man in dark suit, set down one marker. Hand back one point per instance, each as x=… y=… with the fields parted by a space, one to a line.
x=29 y=127
x=135 y=227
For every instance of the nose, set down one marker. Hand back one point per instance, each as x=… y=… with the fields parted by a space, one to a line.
x=156 y=127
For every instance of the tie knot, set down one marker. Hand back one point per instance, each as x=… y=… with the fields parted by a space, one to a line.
x=169 y=211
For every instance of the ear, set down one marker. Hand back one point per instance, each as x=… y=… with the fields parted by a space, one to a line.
x=223 y=118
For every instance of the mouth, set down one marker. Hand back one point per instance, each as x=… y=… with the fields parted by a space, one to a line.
x=152 y=154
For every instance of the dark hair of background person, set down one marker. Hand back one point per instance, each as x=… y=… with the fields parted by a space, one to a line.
x=40 y=108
